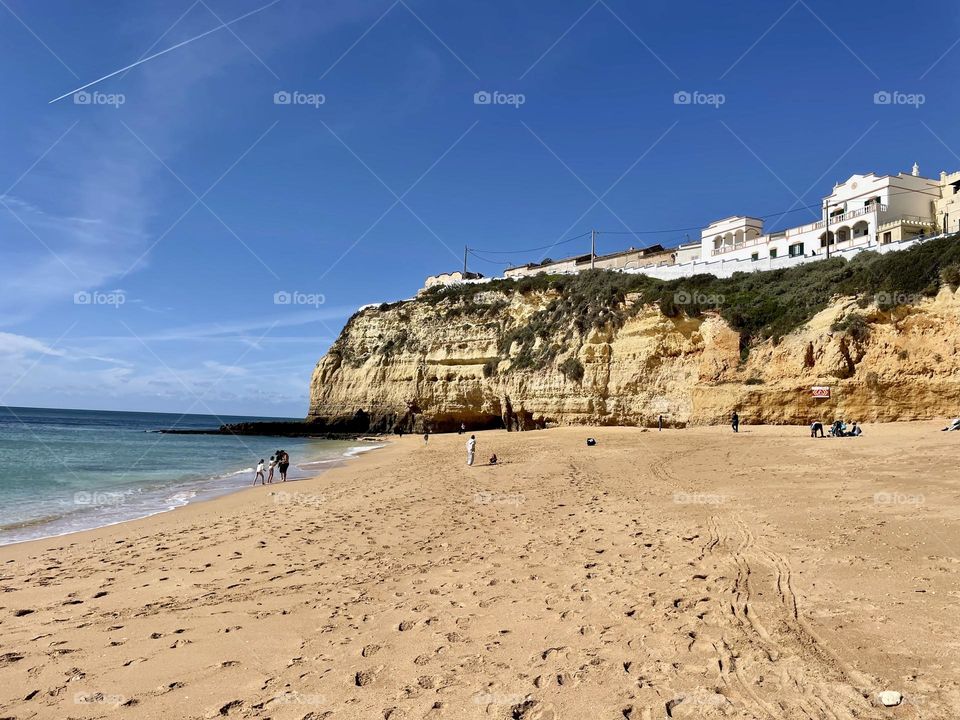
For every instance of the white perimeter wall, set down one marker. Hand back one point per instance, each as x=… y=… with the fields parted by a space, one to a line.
x=726 y=268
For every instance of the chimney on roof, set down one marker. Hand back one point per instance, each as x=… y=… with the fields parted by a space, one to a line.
x=916 y=170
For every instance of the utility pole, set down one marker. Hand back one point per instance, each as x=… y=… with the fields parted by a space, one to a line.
x=593 y=248
x=465 y=262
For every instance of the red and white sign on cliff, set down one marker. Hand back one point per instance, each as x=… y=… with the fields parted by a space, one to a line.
x=820 y=391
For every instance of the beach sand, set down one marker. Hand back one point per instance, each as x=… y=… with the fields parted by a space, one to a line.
x=686 y=573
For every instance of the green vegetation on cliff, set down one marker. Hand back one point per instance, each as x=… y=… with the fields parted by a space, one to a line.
x=759 y=305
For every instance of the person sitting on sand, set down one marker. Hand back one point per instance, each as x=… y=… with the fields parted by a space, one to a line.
x=954 y=425
x=471 y=449
x=259 y=475
x=270 y=467
x=836 y=430
x=816 y=427
x=493 y=459
x=855 y=430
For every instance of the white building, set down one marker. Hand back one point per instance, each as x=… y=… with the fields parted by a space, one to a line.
x=866 y=210
x=882 y=213
x=947 y=211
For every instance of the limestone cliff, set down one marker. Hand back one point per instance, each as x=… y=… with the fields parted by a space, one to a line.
x=419 y=364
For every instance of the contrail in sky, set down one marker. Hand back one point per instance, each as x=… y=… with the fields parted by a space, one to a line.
x=164 y=52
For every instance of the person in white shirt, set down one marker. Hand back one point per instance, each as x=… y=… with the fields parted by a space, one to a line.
x=471 y=449
x=259 y=475
x=273 y=464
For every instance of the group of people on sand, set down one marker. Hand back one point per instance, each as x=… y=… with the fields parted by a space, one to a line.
x=838 y=429
x=279 y=461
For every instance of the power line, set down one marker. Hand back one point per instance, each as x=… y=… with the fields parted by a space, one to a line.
x=637 y=233
x=542 y=247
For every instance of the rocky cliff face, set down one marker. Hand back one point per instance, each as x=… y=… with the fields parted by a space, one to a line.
x=420 y=365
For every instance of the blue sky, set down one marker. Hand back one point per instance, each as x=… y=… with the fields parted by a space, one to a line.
x=146 y=234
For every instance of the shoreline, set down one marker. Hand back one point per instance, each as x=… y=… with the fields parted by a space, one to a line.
x=720 y=574
x=153 y=522
x=314 y=468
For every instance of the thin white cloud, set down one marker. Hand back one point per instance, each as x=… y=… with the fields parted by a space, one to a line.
x=11 y=344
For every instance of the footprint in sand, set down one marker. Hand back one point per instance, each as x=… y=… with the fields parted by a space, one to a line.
x=9 y=658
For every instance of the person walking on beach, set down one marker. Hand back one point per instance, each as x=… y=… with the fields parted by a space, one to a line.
x=471 y=449
x=735 y=422
x=270 y=467
x=283 y=462
x=259 y=475
x=660 y=423
x=463 y=429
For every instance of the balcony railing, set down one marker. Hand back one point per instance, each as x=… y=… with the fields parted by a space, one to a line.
x=866 y=210
x=908 y=220
x=759 y=240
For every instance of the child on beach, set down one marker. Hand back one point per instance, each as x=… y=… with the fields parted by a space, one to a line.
x=273 y=464
x=259 y=474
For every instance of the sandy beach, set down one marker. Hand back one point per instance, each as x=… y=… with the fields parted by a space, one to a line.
x=686 y=574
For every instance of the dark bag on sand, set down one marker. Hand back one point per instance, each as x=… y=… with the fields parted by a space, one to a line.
x=591 y=442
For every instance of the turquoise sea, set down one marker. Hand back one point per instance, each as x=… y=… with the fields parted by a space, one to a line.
x=69 y=470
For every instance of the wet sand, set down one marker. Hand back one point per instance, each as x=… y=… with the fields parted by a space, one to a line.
x=686 y=574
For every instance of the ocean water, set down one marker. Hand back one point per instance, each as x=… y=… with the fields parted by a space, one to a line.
x=68 y=470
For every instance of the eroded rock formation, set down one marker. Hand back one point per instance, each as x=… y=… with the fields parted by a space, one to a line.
x=417 y=364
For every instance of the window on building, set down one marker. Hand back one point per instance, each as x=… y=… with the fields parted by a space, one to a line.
x=796 y=250
x=755 y=256
x=773 y=252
